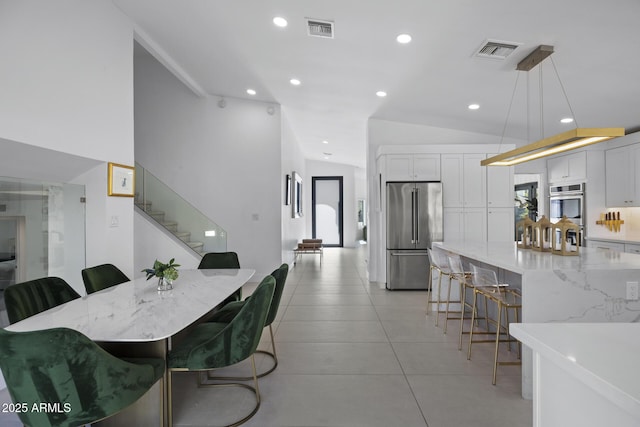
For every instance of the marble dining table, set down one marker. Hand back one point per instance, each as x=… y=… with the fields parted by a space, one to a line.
x=135 y=319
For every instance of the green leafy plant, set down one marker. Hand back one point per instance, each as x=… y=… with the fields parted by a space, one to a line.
x=168 y=271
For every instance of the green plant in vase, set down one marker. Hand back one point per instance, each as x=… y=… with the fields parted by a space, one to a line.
x=166 y=273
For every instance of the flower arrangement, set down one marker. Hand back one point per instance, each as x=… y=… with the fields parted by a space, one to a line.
x=162 y=270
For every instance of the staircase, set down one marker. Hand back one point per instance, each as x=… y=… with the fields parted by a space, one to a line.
x=171 y=226
x=176 y=215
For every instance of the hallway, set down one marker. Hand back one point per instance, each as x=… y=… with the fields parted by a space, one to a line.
x=352 y=354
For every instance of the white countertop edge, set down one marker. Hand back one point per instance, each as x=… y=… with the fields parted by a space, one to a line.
x=529 y=336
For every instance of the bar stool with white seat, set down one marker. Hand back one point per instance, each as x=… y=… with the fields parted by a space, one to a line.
x=486 y=285
x=438 y=257
x=464 y=278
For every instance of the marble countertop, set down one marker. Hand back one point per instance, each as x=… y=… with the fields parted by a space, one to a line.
x=136 y=312
x=604 y=356
x=506 y=255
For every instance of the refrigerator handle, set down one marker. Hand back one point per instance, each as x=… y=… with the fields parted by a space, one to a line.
x=417 y=216
x=413 y=215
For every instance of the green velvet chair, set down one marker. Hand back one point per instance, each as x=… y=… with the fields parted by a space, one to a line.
x=211 y=345
x=29 y=298
x=101 y=277
x=63 y=367
x=216 y=260
x=229 y=311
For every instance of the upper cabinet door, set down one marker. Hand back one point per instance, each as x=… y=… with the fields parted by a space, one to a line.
x=399 y=167
x=413 y=167
x=452 y=185
x=426 y=167
x=622 y=177
x=475 y=181
x=571 y=167
x=500 y=192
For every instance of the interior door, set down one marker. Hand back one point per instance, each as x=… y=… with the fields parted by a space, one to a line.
x=327 y=215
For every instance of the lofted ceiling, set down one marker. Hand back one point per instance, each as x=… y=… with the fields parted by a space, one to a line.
x=226 y=47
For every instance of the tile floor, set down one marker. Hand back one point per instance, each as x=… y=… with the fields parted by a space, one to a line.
x=353 y=354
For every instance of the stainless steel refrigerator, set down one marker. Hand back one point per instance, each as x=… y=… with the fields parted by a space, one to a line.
x=414 y=221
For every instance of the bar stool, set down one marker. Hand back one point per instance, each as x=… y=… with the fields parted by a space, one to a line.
x=438 y=261
x=464 y=278
x=486 y=285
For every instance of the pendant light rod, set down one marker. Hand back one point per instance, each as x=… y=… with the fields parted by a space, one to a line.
x=534 y=58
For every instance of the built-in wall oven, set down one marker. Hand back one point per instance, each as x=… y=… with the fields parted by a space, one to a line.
x=568 y=200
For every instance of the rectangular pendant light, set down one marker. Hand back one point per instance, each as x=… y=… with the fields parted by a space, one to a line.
x=565 y=141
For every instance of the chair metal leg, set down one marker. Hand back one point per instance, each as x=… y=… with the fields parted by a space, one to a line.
x=473 y=317
x=429 y=291
x=255 y=389
x=439 y=297
x=446 y=311
x=495 y=356
x=169 y=398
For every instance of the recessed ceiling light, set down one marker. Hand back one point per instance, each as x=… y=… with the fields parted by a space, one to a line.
x=403 y=38
x=566 y=120
x=473 y=106
x=251 y=91
x=295 y=82
x=280 y=21
x=381 y=93
x=325 y=142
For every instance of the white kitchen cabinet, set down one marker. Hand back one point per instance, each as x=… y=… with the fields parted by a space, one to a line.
x=465 y=224
x=413 y=167
x=621 y=178
x=570 y=167
x=500 y=224
x=500 y=192
x=604 y=245
x=464 y=181
x=453 y=224
x=632 y=248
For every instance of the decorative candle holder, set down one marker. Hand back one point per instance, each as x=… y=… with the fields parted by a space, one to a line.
x=524 y=233
x=542 y=235
x=562 y=238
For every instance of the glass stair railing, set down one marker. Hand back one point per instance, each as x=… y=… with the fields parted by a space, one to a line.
x=179 y=217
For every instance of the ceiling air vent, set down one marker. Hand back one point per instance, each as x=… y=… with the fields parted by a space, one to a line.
x=496 y=49
x=318 y=28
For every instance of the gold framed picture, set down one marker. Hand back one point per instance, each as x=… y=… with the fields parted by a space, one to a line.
x=122 y=180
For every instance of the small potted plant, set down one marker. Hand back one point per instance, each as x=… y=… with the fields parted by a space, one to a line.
x=166 y=273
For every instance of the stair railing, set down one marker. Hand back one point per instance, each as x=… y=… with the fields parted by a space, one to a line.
x=179 y=217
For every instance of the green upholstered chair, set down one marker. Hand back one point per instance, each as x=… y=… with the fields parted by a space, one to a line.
x=229 y=311
x=63 y=367
x=29 y=298
x=212 y=345
x=215 y=260
x=101 y=277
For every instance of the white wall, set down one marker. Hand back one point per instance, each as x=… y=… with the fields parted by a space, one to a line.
x=224 y=161
x=349 y=173
x=293 y=229
x=68 y=89
x=66 y=85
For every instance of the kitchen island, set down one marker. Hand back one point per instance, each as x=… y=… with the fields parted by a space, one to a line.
x=589 y=287
x=584 y=373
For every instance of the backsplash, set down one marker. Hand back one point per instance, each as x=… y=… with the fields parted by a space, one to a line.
x=630 y=230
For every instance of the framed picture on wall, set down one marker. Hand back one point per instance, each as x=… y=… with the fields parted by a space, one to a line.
x=287 y=189
x=121 y=180
x=296 y=196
